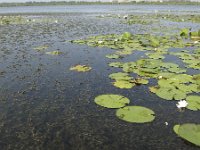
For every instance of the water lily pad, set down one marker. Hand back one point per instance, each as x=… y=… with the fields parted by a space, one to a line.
x=176 y=70
x=112 y=56
x=120 y=76
x=189 y=132
x=169 y=65
x=41 y=48
x=126 y=36
x=165 y=93
x=135 y=114
x=54 y=53
x=116 y=64
x=123 y=84
x=141 y=81
x=169 y=93
x=155 y=56
x=111 y=100
x=184 y=32
x=153 y=89
x=176 y=128
x=81 y=68
x=193 y=102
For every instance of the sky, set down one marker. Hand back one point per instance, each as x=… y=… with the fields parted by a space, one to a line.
x=10 y=1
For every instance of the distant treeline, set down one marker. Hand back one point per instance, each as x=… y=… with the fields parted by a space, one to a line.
x=92 y=3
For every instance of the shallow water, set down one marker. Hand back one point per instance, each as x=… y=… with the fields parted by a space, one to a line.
x=44 y=105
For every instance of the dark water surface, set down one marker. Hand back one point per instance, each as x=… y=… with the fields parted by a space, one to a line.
x=43 y=105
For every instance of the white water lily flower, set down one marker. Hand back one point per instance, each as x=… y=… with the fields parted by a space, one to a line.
x=115 y=40
x=195 y=42
x=125 y=16
x=56 y=21
x=182 y=104
x=160 y=77
x=166 y=123
x=100 y=42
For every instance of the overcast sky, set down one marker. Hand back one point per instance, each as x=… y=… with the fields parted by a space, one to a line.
x=10 y=1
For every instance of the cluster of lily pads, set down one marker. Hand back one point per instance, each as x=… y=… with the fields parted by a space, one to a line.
x=148 y=19
x=81 y=68
x=7 y=20
x=133 y=114
x=124 y=81
x=173 y=82
x=43 y=48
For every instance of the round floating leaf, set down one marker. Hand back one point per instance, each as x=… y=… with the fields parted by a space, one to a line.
x=165 y=83
x=176 y=70
x=126 y=36
x=135 y=114
x=165 y=75
x=155 y=56
x=120 y=76
x=111 y=100
x=141 y=81
x=169 y=65
x=179 y=95
x=112 y=56
x=176 y=128
x=123 y=84
x=41 y=48
x=54 y=53
x=116 y=64
x=81 y=68
x=153 y=89
x=189 y=132
x=165 y=93
x=193 y=102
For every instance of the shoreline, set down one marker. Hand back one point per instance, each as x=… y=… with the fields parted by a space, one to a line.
x=93 y=3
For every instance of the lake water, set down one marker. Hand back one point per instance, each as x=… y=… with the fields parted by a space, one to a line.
x=45 y=106
x=189 y=9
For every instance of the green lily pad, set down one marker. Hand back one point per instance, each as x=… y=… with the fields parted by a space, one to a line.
x=169 y=93
x=165 y=93
x=123 y=84
x=169 y=65
x=155 y=56
x=184 y=32
x=193 y=102
x=176 y=128
x=135 y=114
x=111 y=100
x=81 y=68
x=126 y=36
x=116 y=64
x=189 y=132
x=176 y=70
x=41 y=48
x=153 y=89
x=182 y=78
x=141 y=81
x=120 y=76
x=165 y=75
x=54 y=53
x=112 y=56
